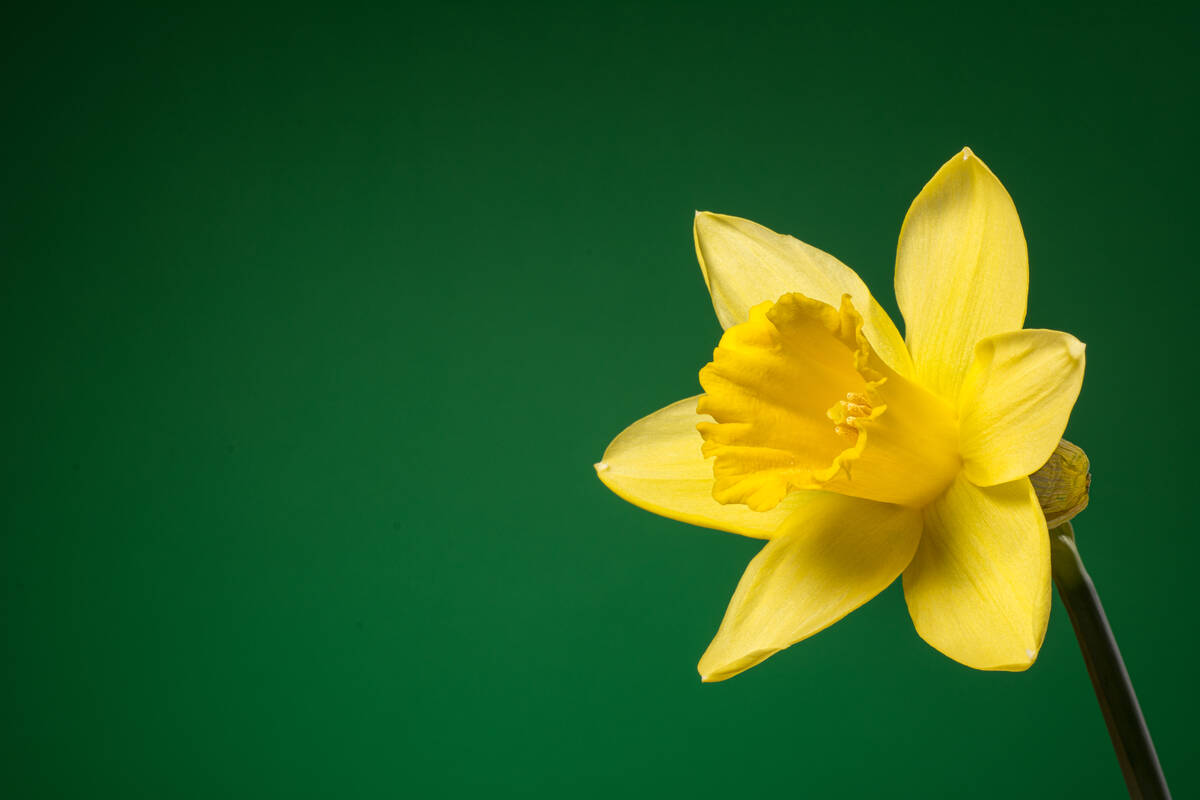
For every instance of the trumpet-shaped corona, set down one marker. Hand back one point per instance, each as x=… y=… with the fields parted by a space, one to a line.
x=800 y=401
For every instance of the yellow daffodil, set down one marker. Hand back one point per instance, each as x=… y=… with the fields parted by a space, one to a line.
x=862 y=456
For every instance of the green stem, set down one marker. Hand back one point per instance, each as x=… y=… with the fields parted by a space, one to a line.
x=1126 y=726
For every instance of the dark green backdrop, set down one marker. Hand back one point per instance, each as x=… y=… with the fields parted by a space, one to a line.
x=315 y=320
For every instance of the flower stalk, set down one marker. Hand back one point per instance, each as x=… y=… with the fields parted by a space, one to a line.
x=1114 y=691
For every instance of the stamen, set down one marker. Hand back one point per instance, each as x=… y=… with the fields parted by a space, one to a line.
x=846 y=414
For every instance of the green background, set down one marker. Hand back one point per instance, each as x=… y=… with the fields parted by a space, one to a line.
x=315 y=320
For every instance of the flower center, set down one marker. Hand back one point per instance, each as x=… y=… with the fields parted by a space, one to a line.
x=776 y=383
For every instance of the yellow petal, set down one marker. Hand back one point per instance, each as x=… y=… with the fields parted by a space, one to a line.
x=962 y=272
x=978 y=589
x=656 y=464
x=745 y=264
x=799 y=401
x=1015 y=402
x=834 y=554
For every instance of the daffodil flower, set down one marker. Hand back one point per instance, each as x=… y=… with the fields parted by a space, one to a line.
x=862 y=456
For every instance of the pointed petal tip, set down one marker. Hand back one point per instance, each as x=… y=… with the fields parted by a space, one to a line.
x=1018 y=664
x=1015 y=664
x=601 y=466
x=967 y=153
x=713 y=672
x=718 y=664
